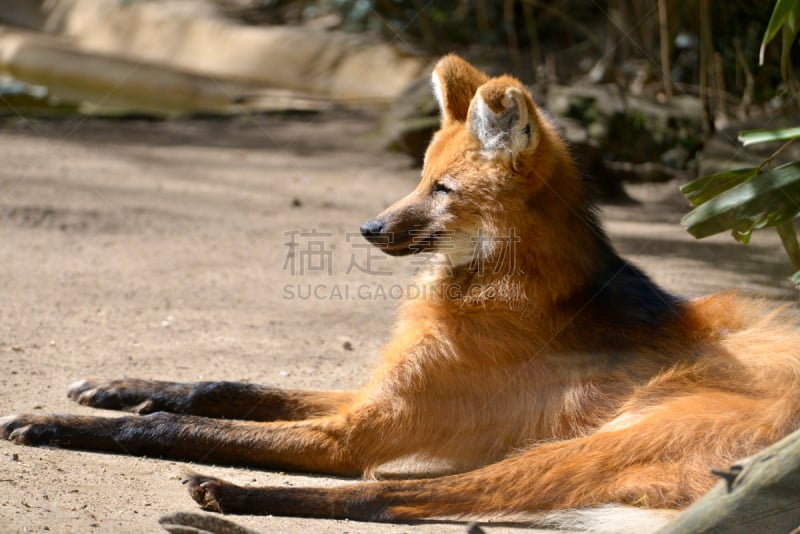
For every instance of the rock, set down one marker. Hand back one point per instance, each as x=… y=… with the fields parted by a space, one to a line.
x=603 y=183
x=411 y=120
x=676 y=157
x=189 y=37
x=586 y=103
x=200 y=523
x=650 y=172
x=630 y=128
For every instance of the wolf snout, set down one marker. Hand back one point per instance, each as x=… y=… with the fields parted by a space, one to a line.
x=373 y=228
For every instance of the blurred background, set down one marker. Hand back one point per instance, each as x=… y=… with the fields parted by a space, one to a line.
x=641 y=86
x=162 y=161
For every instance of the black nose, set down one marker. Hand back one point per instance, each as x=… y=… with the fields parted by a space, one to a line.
x=372 y=228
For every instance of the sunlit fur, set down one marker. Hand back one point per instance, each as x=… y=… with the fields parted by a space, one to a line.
x=558 y=378
x=572 y=377
x=576 y=374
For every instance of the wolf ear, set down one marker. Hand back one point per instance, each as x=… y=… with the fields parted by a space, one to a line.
x=454 y=84
x=501 y=118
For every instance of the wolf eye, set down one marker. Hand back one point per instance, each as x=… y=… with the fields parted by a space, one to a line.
x=439 y=187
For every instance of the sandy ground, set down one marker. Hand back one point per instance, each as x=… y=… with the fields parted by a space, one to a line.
x=159 y=250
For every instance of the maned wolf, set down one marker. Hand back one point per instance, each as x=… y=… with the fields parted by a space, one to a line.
x=542 y=369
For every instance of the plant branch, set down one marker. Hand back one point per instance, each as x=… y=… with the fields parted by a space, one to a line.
x=775 y=154
x=666 y=51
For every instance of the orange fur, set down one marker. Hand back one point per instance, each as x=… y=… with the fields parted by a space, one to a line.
x=564 y=378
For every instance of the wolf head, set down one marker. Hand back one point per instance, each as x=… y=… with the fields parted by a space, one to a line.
x=497 y=111
x=494 y=153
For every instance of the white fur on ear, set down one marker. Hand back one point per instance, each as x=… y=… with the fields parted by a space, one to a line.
x=437 y=91
x=509 y=131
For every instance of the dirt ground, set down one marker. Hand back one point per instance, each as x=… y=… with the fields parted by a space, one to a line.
x=164 y=250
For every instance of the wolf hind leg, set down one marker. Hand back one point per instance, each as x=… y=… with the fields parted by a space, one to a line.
x=550 y=477
x=465 y=496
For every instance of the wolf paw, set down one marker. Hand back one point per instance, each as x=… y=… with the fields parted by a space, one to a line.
x=29 y=429
x=127 y=395
x=206 y=491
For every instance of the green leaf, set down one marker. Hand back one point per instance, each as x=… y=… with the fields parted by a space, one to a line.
x=769 y=199
x=742 y=236
x=752 y=137
x=795 y=278
x=780 y=13
x=705 y=188
x=788 y=236
x=788 y=34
